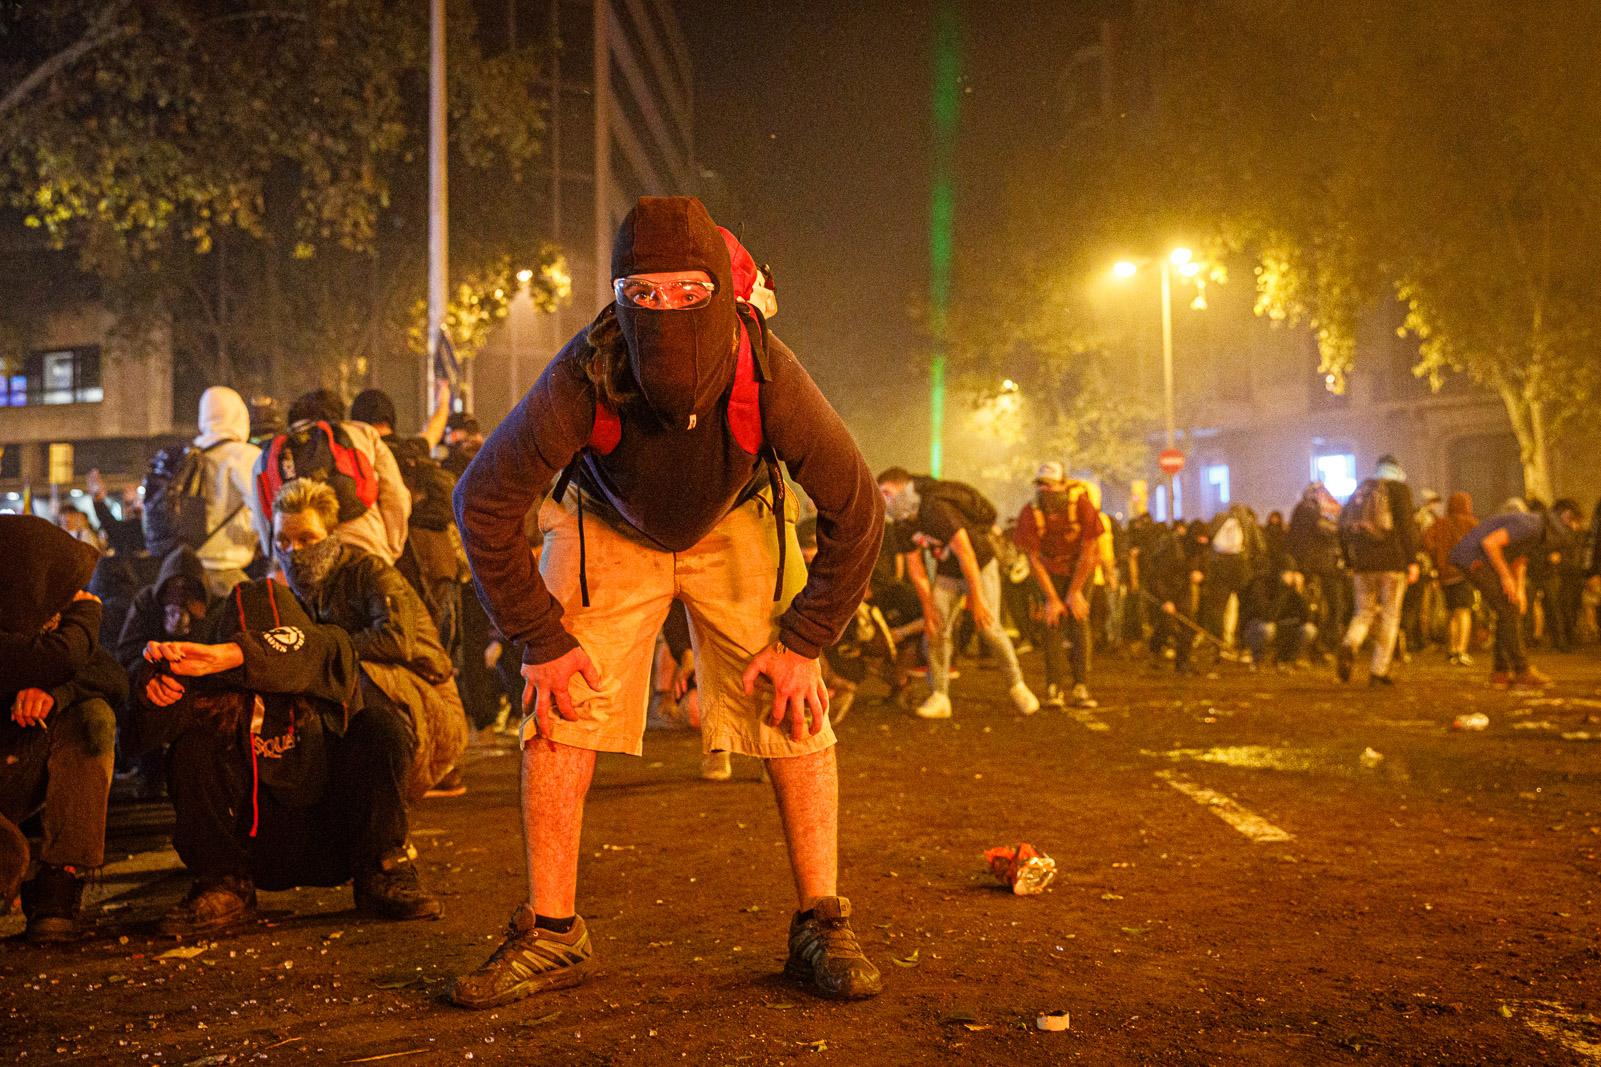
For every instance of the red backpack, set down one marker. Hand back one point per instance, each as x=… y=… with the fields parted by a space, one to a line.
x=744 y=423
x=322 y=453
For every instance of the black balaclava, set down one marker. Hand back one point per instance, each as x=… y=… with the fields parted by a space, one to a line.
x=683 y=360
x=46 y=566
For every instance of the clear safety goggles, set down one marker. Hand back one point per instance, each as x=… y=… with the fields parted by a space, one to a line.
x=663 y=296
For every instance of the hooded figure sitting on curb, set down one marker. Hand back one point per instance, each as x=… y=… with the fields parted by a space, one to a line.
x=402 y=660
x=58 y=730
x=279 y=776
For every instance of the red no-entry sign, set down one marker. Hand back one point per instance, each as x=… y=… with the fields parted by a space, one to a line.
x=1171 y=460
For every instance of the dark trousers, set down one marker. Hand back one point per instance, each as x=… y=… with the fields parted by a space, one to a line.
x=1334 y=604
x=479 y=687
x=1510 y=655
x=1167 y=628
x=361 y=815
x=1067 y=644
x=64 y=773
x=1226 y=576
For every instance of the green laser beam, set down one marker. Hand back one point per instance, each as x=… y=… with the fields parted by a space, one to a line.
x=942 y=217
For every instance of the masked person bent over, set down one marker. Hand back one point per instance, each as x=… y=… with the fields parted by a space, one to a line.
x=57 y=727
x=402 y=660
x=279 y=776
x=673 y=410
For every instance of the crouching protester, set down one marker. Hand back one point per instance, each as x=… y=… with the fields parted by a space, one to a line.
x=280 y=775
x=58 y=730
x=402 y=660
x=673 y=410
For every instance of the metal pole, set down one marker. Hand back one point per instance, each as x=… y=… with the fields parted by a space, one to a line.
x=603 y=230
x=1167 y=372
x=438 y=198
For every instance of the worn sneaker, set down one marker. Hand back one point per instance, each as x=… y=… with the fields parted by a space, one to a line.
x=13 y=862
x=1376 y=681
x=716 y=767
x=51 y=900
x=1054 y=697
x=210 y=905
x=1529 y=678
x=1344 y=660
x=529 y=961
x=1082 y=698
x=937 y=706
x=1464 y=660
x=1023 y=698
x=391 y=889
x=825 y=955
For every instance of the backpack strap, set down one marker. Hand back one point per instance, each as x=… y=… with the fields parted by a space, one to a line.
x=270 y=471
x=744 y=402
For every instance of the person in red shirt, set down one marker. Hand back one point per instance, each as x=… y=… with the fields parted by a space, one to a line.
x=1058 y=532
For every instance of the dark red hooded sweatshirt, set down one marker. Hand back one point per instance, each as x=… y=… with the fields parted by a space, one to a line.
x=667 y=484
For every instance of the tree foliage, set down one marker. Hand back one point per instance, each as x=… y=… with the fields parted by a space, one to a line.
x=1442 y=154
x=256 y=173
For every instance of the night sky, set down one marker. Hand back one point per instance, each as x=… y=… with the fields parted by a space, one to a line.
x=817 y=118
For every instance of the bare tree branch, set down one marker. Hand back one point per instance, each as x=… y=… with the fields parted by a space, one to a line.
x=104 y=29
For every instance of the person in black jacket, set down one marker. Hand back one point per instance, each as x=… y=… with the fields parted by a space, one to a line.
x=401 y=656
x=58 y=733
x=1274 y=613
x=280 y=776
x=1383 y=556
x=1169 y=576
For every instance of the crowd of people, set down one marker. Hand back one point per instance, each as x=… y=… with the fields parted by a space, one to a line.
x=297 y=623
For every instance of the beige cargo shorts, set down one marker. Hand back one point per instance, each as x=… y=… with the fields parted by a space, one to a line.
x=726 y=584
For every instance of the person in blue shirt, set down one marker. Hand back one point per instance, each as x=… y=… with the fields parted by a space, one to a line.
x=1495 y=557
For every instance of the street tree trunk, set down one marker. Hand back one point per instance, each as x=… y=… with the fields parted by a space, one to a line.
x=1530 y=426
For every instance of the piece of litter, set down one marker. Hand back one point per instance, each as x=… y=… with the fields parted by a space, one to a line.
x=184 y=952
x=1052 y=1021
x=909 y=961
x=1371 y=758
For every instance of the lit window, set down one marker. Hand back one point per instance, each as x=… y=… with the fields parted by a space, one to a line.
x=1159 y=504
x=1217 y=478
x=1337 y=472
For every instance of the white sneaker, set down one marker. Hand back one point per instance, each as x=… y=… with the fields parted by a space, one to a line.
x=937 y=706
x=716 y=767
x=1082 y=698
x=1023 y=699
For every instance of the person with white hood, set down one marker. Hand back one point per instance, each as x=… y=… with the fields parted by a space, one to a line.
x=225 y=438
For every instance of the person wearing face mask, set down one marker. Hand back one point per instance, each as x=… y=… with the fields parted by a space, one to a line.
x=1060 y=530
x=671 y=414
x=402 y=659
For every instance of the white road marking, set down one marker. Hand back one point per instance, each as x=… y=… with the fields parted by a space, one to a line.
x=1253 y=826
x=1087 y=718
x=1574 y=1031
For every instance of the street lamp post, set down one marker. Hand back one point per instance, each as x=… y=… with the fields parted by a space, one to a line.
x=1183 y=260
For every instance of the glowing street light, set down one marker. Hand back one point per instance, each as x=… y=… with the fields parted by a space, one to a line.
x=1125 y=268
x=525 y=276
x=1180 y=256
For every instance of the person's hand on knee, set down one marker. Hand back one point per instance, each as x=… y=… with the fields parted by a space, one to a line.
x=797 y=688
x=548 y=682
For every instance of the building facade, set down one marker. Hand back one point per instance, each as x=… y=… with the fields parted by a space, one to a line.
x=620 y=120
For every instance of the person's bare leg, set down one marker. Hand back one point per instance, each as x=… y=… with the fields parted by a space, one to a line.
x=555 y=780
x=807 y=788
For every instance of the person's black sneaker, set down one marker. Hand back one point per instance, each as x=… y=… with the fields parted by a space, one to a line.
x=51 y=900
x=1376 y=681
x=211 y=904
x=1344 y=659
x=824 y=953
x=13 y=862
x=530 y=960
x=392 y=890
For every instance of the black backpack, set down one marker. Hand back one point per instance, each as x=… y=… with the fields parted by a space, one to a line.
x=1366 y=519
x=974 y=506
x=430 y=484
x=177 y=486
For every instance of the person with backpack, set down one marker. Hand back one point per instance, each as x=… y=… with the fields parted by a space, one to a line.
x=667 y=421
x=1379 y=538
x=199 y=495
x=374 y=504
x=1313 y=541
x=1060 y=531
x=1238 y=552
x=953 y=522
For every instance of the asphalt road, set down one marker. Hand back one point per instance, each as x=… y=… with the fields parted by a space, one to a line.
x=1253 y=868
